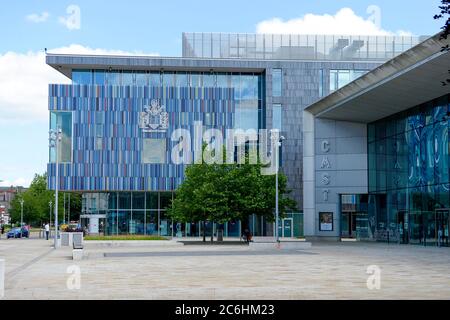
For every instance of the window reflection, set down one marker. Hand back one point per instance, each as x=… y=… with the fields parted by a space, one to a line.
x=62 y=120
x=277 y=79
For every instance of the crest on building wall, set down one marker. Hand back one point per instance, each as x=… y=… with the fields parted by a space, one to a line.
x=154 y=118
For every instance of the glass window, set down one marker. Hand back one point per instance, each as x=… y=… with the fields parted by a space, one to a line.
x=154 y=151
x=62 y=120
x=168 y=79
x=276 y=116
x=196 y=80
x=182 y=79
x=223 y=80
x=127 y=78
x=138 y=200
x=340 y=78
x=249 y=87
x=155 y=79
x=236 y=85
x=141 y=78
x=81 y=77
x=165 y=199
x=151 y=200
x=99 y=77
x=209 y=80
x=125 y=200
x=115 y=78
x=277 y=79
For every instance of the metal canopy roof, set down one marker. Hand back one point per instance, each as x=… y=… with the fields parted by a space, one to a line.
x=408 y=80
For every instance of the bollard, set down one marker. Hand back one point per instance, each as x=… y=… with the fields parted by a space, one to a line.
x=2 y=278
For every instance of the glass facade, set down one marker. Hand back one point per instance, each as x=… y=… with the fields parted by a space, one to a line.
x=248 y=88
x=340 y=78
x=144 y=213
x=409 y=174
x=294 y=46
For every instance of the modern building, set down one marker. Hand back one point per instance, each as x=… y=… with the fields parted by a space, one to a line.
x=376 y=153
x=118 y=114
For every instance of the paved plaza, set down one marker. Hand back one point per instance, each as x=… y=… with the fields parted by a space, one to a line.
x=173 y=271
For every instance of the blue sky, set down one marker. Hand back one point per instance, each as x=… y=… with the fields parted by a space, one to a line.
x=28 y=26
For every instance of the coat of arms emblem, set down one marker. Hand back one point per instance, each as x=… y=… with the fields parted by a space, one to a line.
x=154 y=118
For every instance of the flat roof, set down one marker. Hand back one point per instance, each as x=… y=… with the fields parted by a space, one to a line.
x=65 y=63
x=410 y=79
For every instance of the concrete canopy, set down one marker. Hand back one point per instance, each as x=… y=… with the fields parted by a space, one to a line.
x=412 y=78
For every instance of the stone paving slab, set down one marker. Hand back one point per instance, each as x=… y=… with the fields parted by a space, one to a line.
x=326 y=271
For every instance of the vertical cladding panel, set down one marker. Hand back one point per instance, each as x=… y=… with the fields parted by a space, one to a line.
x=118 y=165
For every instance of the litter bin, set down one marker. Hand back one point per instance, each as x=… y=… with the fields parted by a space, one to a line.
x=220 y=235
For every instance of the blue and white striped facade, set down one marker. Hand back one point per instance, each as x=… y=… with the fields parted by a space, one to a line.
x=110 y=114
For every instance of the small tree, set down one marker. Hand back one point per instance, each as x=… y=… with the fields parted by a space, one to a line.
x=227 y=192
x=200 y=197
x=36 y=203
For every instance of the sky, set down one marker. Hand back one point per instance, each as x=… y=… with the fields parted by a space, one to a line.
x=154 y=28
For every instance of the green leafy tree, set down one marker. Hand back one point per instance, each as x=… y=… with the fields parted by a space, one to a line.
x=201 y=196
x=36 y=203
x=227 y=192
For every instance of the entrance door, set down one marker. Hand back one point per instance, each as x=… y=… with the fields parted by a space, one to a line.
x=348 y=225
x=288 y=230
x=442 y=227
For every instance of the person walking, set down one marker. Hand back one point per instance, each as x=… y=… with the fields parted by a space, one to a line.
x=47 y=230
x=2 y=231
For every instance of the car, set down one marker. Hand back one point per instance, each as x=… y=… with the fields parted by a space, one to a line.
x=18 y=233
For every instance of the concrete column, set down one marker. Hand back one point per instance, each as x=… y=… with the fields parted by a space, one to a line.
x=309 y=210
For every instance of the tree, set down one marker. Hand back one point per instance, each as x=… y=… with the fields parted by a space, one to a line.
x=201 y=197
x=36 y=203
x=227 y=192
x=445 y=14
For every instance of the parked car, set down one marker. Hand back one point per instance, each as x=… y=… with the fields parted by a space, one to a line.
x=18 y=233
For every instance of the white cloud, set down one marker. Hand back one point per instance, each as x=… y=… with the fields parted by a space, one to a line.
x=20 y=182
x=344 y=22
x=73 y=20
x=38 y=18
x=24 y=82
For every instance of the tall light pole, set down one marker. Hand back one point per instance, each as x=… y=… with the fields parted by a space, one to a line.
x=21 y=217
x=276 y=139
x=55 y=139
x=50 y=213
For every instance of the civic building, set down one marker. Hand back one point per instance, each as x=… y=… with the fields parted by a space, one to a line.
x=321 y=92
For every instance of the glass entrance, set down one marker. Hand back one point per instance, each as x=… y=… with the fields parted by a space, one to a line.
x=442 y=227
x=348 y=225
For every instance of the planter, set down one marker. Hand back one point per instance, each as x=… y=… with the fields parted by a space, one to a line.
x=67 y=238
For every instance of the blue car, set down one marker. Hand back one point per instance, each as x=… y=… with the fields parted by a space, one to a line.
x=17 y=233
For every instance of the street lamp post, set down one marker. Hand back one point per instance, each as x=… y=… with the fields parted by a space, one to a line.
x=55 y=139
x=50 y=213
x=21 y=217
